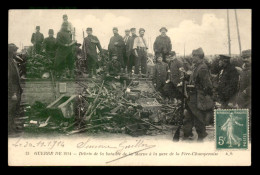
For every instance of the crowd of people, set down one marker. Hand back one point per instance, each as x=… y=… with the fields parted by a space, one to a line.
x=128 y=55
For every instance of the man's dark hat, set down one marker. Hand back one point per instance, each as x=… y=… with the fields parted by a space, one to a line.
x=65 y=15
x=89 y=29
x=132 y=29
x=127 y=30
x=51 y=31
x=246 y=53
x=37 y=27
x=164 y=29
x=198 y=52
x=141 y=29
x=12 y=47
x=224 y=57
x=115 y=28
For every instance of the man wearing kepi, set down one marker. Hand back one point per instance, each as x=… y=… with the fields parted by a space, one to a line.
x=140 y=50
x=14 y=88
x=37 y=39
x=130 y=51
x=199 y=102
x=64 y=57
x=90 y=45
x=162 y=44
x=49 y=44
x=244 y=94
x=70 y=27
x=227 y=82
x=117 y=47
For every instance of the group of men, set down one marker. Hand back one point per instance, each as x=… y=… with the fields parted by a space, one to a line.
x=169 y=71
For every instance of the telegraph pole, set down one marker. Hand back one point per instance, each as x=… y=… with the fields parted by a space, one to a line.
x=238 y=35
x=229 y=43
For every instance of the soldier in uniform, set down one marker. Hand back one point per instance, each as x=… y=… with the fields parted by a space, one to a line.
x=14 y=88
x=117 y=47
x=162 y=44
x=127 y=45
x=227 y=82
x=199 y=102
x=70 y=27
x=130 y=51
x=49 y=44
x=90 y=45
x=160 y=75
x=64 y=56
x=244 y=94
x=37 y=39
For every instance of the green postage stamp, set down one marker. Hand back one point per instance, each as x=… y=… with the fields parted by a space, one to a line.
x=231 y=128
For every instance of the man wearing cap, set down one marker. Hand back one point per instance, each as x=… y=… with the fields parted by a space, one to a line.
x=49 y=44
x=116 y=47
x=37 y=39
x=64 y=56
x=70 y=27
x=199 y=102
x=127 y=45
x=90 y=45
x=244 y=94
x=140 y=50
x=227 y=81
x=162 y=44
x=14 y=88
x=130 y=51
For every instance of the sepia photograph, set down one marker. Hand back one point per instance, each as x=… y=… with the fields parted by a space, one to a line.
x=129 y=87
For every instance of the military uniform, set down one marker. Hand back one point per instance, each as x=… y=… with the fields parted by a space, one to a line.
x=162 y=45
x=64 y=57
x=37 y=39
x=90 y=45
x=14 y=88
x=194 y=114
x=126 y=51
x=50 y=46
x=160 y=76
x=227 y=83
x=130 y=53
x=117 y=49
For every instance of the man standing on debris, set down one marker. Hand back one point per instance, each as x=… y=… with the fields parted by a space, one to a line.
x=49 y=44
x=160 y=75
x=130 y=51
x=227 y=82
x=90 y=45
x=140 y=50
x=127 y=45
x=37 y=39
x=70 y=27
x=64 y=56
x=199 y=103
x=116 y=47
x=162 y=44
x=244 y=94
x=14 y=88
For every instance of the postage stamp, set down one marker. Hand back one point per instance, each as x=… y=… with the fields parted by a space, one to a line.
x=231 y=126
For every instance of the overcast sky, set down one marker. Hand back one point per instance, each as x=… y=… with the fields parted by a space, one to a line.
x=192 y=28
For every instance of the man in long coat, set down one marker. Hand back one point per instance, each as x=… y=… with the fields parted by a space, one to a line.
x=162 y=44
x=37 y=40
x=49 y=44
x=130 y=51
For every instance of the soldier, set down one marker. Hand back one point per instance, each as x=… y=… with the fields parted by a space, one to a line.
x=49 y=44
x=14 y=88
x=127 y=45
x=162 y=44
x=160 y=75
x=199 y=102
x=70 y=27
x=117 y=47
x=244 y=94
x=227 y=82
x=37 y=39
x=90 y=45
x=130 y=51
x=171 y=88
x=64 y=56
x=140 y=50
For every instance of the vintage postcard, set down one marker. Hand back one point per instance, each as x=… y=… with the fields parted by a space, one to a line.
x=161 y=87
